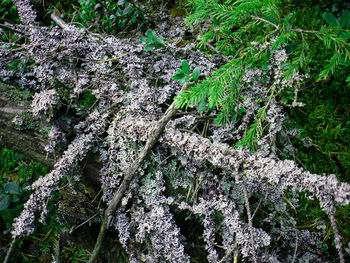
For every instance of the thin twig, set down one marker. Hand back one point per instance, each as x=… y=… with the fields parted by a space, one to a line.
x=337 y=237
x=59 y=21
x=56 y=254
x=256 y=209
x=86 y=221
x=153 y=137
x=12 y=29
x=226 y=58
x=235 y=255
x=277 y=27
x=233 y=249
x=305 y=31
x=264 y=20
x=250 y=222
x=296 y=246
x=8 y=254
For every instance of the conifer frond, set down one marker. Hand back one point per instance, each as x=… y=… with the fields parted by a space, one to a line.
x=233 y=25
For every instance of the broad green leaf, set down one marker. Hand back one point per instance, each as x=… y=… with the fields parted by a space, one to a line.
x=331 y=19
x=144 y=39
x=150 y=34
x=160 y=42
x=12 y=188
x=185 y=67
x=178 y=75
x=344 y=20
x=5 y=202
x=14 y=198
x=149 y=47
x=195 y=74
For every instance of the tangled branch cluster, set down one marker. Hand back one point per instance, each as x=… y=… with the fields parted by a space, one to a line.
x=205 y=179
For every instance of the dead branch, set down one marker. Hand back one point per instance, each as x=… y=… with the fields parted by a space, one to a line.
x=153 y=137
x=250 y=222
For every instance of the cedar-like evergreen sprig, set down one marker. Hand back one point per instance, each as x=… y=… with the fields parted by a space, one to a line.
x=255 y=131
x=232 y=26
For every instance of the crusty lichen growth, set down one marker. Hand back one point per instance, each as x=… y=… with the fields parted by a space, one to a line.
x=186 y=174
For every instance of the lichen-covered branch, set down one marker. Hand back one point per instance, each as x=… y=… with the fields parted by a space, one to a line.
x=110 y=96
x=153 y=136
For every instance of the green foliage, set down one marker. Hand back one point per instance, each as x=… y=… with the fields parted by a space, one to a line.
x=8 y=11
x=78 y=255
x=109 y=16
x=255 y=132
x=183 y=73
x=15 y=173
x=87 y=99
x=16 y=167
x=323 y=147
x=316 y=41
x=325 y=122
x=152 y=40
x=9 y=193
x=19 y=65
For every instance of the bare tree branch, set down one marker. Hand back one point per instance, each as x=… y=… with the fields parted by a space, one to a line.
x=337 y=237
x=153 y=137
x=250 y=221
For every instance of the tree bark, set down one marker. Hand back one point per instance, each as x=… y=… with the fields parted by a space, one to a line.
x=28 y=142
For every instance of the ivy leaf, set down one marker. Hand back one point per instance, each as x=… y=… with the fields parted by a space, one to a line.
x=186 y=67
x=5 y=202
x=195 y=74
x=14 y=198
x=12 y=188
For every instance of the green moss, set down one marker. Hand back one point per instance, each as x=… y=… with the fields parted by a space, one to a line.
x=87 y=99
x=325 y=121
x=15 y=94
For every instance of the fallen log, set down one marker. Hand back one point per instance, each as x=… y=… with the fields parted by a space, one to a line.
x=29 y=142
x=24 y=136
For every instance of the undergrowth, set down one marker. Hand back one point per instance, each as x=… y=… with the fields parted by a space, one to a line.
x=16 y=173
x=315 y=35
